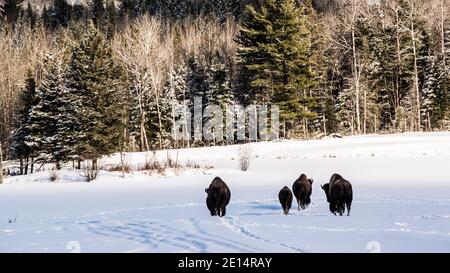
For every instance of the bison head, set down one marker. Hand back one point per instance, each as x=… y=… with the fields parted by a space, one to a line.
x=326 y=189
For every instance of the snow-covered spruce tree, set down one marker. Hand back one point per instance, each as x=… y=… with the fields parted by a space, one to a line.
x=320 y=39
x=435 y=101
x=44 y=119
x=94 y=82
x=429 y=89
x=22 y=126
x=198 y=85
x=381 y=69
x=177 y=90
x=219 y=91
x=219 y=77
x=274 y=49
x=344 y=107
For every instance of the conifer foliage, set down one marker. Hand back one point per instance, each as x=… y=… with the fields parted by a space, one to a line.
x=83 y=79
x=274 y=49
x=94 y=86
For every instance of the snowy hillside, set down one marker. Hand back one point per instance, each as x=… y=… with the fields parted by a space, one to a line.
x=401 y=202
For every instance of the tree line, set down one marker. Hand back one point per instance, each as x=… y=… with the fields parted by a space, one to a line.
x=85 y=80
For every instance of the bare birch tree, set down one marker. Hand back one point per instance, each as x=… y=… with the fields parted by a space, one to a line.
x=139 y=46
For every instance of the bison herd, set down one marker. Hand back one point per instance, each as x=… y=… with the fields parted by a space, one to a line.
x=338 y=191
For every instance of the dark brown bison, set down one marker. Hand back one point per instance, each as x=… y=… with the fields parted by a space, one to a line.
x=285 y=197
x=218 y=197
x=302 y=189
x=339 y=194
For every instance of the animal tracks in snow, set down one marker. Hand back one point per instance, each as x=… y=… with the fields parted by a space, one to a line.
x=249 y=226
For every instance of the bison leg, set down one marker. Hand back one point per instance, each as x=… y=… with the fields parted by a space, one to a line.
x=333 y=208
x=223 y=211
x=298 y=203
x=341 y=209
x=349 y=207
x=303 y=205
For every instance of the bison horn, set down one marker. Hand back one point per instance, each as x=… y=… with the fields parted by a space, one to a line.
x=206 y=190
x=321 y=186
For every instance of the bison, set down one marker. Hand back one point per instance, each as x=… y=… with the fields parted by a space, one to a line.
x=218 y=197
x=285 y=197
x=339 y=194
x=302 y=189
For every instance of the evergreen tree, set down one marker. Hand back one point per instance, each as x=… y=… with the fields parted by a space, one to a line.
x=274 y=49
x=45 y=134
x=94 y=82
x=197 y=80
x=11 y=11
x=22 y=127
x=219 y=78
x=435 y=100
x=381 y=70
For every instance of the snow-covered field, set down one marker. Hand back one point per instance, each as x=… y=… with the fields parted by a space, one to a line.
x=401 y=202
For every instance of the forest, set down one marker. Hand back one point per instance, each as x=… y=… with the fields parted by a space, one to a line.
x=82 y=79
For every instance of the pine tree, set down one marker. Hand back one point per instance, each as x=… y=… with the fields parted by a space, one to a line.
x=345 y=108
x=11 y=11
x=22 y=127
x=381 y=70
x=219 y=77
x=435 y=100
x=94 y=82
x=45 y=137
x=198 y=84
x=274 y=49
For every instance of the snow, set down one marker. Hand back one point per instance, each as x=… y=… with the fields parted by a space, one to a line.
x=401 y=202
